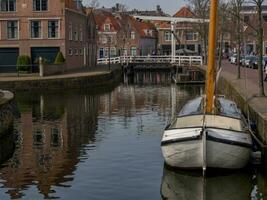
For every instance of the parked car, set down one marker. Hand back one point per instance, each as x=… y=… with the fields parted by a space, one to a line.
x=240 y=60
x=233 y=58
x=264 y=60
x=249 y=61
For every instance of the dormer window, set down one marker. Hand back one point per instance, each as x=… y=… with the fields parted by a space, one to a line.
x=132 y=35
x=107 y=27
x=8 y=5
x=40 y=5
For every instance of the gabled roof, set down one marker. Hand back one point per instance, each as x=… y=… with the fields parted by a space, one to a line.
x=184 y=12
x=102 y=17
x=141 y=27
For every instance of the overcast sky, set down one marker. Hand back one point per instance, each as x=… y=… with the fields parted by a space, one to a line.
x=168 y=6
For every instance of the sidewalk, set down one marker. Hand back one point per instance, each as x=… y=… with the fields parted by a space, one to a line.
x=92 y=71
x=82 y=78
x=245 y=92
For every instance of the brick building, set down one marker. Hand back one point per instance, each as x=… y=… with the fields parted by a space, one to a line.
x=250 y=36
x=43 y=28
x=124 y=35
x=188 y=37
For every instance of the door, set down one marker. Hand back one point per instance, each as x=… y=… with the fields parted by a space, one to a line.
x=101 y=53
x=8 y=59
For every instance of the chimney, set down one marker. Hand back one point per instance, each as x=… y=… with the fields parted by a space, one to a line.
x=117 y=7
x=158 y=9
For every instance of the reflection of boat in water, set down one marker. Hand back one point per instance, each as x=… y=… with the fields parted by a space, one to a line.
x=192 y=186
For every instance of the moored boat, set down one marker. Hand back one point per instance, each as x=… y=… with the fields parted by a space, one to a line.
x=209 y=131
x=198 y=140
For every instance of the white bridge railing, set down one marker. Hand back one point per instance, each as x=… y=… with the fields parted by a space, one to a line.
x=180 y=60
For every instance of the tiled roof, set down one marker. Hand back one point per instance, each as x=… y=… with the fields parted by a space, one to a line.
x=142 y=26
x=184 y=12
x=103 y=17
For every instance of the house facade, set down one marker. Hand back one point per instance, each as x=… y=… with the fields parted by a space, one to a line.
x=250 y=36
x=121 y=34
x=42 y=28
x=188 y=38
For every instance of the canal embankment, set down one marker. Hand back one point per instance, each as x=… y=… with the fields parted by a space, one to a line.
x=244 y=92
x=83 y=79
x=7 y=112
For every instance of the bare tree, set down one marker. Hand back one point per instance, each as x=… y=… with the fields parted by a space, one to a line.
x=259 y=4
x=236 y=11
x=93 y=3
x=222 y=30
x=201 y=10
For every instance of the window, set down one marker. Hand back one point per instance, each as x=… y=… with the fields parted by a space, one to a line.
x=38 y=137
x=76 y=34
x=35 y=29
x=12 y=29
x=8 y=5
x=191 y=36
x=133 y=51
x=81 y=34
x=106 y=52
x=76 y=52
x=125 y=52
x=104 y=39
x=70 y=32
x=81 y=52
x=265 y=18
x=55 y=137
x=246 y=18
x=70 y=52
x=52 y=29
x=107 y=27
x=168 y=36
x=113 y=52
x=132 y=35
x=40 y=5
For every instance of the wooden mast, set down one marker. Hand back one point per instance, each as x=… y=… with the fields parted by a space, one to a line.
x=210 y=74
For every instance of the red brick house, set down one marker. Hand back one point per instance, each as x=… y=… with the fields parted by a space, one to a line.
x=188 y=37
x=43 y=28
x=124 y=35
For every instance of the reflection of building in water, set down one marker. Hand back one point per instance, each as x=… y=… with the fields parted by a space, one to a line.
x=186 y=185
x=131 y=99
x=49 y=143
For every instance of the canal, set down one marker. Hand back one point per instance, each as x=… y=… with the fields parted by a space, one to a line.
x=104 y=143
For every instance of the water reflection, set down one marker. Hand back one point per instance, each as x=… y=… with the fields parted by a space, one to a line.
x=105 y=144
x=192 y=186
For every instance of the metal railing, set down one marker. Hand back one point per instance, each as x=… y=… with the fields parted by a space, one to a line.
x=180 y=60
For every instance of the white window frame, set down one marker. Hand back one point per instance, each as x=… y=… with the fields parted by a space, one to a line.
x=106 y=27
x=17 y=34
x=8 y=7
x=167 y=36
x=70 y=32
x=133 y=49
x=41 y=33
x=41 y=9
x=57 y=29
x=132 y=35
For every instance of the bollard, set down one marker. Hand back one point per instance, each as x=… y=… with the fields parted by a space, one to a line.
x=41 y=67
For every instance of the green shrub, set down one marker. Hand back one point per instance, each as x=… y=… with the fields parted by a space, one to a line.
x=23 y=63
x=60 y=58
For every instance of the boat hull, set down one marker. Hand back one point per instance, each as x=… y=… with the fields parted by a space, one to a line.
x=217 y=148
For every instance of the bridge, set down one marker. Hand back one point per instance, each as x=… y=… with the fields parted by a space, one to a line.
x=159 y=59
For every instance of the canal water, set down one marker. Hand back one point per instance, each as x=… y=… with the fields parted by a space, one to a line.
x=104 y=144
